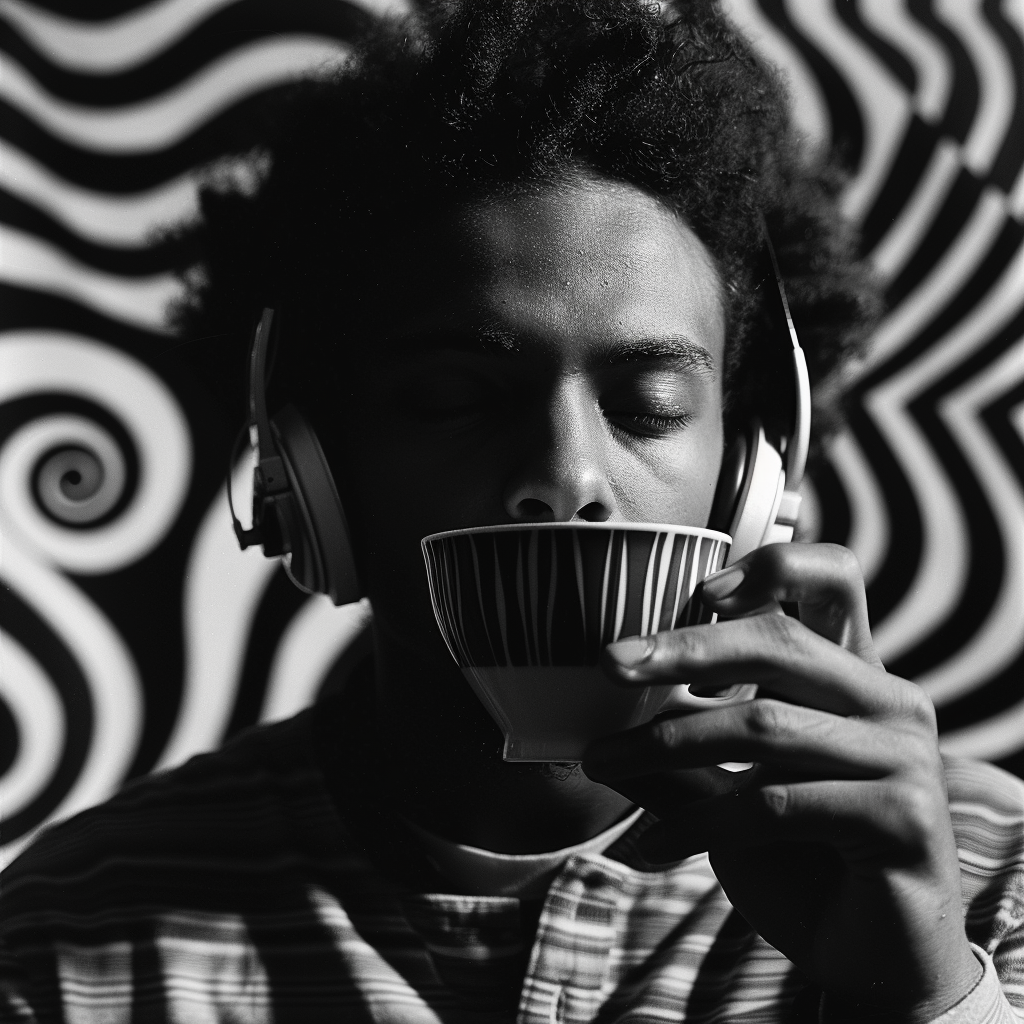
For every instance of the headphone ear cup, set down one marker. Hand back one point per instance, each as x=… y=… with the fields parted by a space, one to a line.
x=764 y=480
x=322 y=560
x=731 y=479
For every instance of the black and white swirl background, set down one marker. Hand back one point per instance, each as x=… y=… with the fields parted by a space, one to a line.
x=133 y=633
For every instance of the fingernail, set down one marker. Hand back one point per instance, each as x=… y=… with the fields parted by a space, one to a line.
x=632 y=652
x=721 y=584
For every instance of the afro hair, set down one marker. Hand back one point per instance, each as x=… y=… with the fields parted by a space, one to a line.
x=481 y=97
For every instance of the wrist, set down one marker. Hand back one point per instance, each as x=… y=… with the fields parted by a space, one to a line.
x=960 y=983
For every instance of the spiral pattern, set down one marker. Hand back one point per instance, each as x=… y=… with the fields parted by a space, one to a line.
x=95 y=462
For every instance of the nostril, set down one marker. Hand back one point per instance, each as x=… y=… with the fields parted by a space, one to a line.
x=534 y=508
x=595 y=512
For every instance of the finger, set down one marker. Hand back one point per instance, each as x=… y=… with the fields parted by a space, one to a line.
x=777 y=653
x=863 y=820
x=823 y=580
x=767 y=732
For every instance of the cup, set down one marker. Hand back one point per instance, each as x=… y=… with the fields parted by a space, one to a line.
x=527 y=610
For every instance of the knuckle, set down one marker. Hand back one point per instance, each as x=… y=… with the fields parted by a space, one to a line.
x=775 y=802
x=781 y=637
x=665 y=733
x=766 y=717
x=909 y=814
x=677 y=645
x=914 y=705
x=772 y=556
x=919 y=813
x=923 y=709
x=846 y=564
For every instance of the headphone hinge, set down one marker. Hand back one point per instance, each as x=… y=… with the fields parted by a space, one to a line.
x=273 y=524
x=271 y=477
x=247 y=538
x=789 y=509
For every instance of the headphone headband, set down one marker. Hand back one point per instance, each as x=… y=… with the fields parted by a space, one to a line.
x=799 y=442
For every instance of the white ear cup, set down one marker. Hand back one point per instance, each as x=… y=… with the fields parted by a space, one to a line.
x=763 y=485
x=781 y=531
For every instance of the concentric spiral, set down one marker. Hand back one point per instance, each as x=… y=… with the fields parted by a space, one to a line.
x=77 y=469
x=78 y=485
x=64 y=481
x=95 y=463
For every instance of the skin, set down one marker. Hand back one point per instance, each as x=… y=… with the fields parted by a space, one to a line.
x=559 y=356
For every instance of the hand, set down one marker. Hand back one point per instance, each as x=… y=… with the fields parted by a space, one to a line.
x=837 y=846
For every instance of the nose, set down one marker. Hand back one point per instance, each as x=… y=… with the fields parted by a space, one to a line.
x=563 y=474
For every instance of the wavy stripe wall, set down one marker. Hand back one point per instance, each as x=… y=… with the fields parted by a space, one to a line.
x=103 y=117
x=107 y=673
x=926 y=485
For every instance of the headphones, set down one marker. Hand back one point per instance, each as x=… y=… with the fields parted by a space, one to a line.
x=296 y=511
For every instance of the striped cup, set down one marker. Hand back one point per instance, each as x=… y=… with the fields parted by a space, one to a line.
x=527 y=610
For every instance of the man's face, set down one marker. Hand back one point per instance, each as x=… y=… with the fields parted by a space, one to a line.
x=547 y=357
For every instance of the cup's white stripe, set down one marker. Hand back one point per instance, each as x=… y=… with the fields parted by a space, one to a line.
x=460 y=633
x=521 y=595
x=680 y=578
x=552 y=591
x=604 y=582
x=664 y=572
x=620 y=603
x=435 y=600
x=458 y=599
x=447 y=556
x=692 y=584
x=577 y=557
x=533 y=548
x=499 y=600
x=645 y=606
x=441 y=607
x=480 y=597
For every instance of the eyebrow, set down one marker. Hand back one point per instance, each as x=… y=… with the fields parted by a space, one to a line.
x=486 y=340
x=679 y=350
x=686 y=354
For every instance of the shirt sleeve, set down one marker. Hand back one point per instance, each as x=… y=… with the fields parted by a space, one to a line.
x=986 y=1003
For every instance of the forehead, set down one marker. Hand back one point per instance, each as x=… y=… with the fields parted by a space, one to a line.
x=566 y=265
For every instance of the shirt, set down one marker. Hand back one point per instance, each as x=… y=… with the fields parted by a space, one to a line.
x=485 y=873
x=261 y=883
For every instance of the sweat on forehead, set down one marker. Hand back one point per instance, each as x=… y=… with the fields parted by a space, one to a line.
x=555 y=265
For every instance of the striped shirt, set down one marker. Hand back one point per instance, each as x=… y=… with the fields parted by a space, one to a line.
x=261 y=883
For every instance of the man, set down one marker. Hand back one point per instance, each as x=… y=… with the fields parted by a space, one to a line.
x=517 y=250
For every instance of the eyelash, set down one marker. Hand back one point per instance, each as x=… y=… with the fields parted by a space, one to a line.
x=650 y=425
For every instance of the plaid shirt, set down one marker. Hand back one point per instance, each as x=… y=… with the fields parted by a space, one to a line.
x=243 y=888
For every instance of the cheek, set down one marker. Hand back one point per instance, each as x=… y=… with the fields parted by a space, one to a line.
x=417 y=483
x=673 y=483
x=404 y=485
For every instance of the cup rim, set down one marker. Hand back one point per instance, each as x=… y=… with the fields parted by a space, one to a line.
x=676 y=528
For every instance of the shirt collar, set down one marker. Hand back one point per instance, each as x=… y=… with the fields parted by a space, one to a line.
x=486 y=873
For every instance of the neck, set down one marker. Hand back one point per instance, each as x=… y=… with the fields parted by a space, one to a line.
x=439 y=756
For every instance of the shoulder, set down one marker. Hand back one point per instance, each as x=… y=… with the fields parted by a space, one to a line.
x=186 y=835
x=986 y=806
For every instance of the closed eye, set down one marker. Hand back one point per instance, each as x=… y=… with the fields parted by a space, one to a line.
x=648 y=424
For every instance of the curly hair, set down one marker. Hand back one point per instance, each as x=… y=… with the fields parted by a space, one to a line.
x=477 y=98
